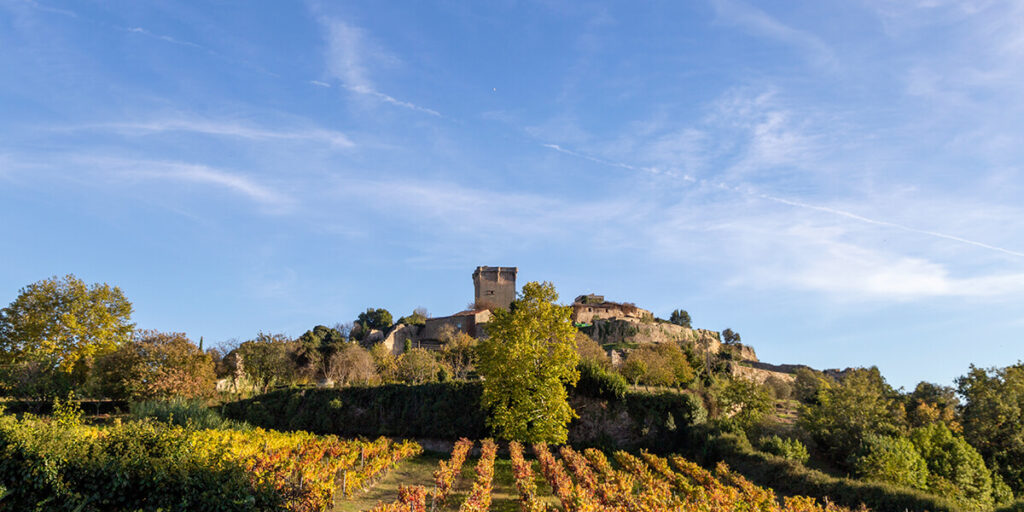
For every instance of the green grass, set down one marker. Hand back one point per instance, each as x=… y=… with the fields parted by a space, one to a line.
x=419 y=471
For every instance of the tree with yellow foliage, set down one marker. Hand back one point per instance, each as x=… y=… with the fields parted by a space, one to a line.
x=526 y=362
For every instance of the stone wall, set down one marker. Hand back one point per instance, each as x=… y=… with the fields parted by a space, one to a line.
x=394 y=341
x=586 y=313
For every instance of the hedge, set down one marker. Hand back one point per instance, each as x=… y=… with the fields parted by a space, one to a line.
x=438 y=410
x=448 y=410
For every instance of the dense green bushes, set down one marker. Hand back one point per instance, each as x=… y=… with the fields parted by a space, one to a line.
x=892 y=459
x=598 y=382
x=59 y=465
x=183 y=412
x=435 y=410
x=787 y=448
x=789 y=478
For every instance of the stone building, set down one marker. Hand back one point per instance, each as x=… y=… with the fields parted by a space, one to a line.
x=587 y=308
x=494 y=286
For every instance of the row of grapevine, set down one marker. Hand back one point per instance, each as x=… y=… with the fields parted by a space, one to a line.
x=448 y=471
x=589 y=482
x=307 y=469
x=411 y=498
x=479 y=499
x=525 y=483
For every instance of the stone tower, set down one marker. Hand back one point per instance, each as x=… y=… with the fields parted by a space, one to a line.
x=495 y=285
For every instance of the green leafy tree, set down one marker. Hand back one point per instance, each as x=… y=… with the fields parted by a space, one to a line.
x=385 y=361
x=314 y=349
x=417 y=366
x=680 y=317
x=458 y=351
x=58 y=326
x=956 y=469
x=809 y=383
x=266 y=360
x=663 y=364
x=590 y=350
x=788 y=448
x=418 y=317
x=352 y=364
x=845 y=414
x=730 y=337
x=155 y=365
x=930 y=403
x=745 y=403
x=527 y=360
x=993 y=419
x=375 y=319
x=892 y=459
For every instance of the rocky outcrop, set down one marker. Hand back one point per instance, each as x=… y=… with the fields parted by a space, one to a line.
x=758 y=375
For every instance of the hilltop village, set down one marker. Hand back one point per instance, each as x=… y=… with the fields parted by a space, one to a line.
x=617 y=326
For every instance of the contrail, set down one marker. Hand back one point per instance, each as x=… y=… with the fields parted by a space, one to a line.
x=798 y=204
x=652 y=170
x=902 y=227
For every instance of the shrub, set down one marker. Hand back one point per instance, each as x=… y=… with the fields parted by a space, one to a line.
x=155 y=365
x=787 y=477
x=183 y=412
x=130 y=466
x=417 y=366
x=780 y=389
x=590 y=350
x=956 y=469
x=743 y=402
x=787 y=448
x=892 y=459
x=664 y=364
x=595 y=381
x=352 y=364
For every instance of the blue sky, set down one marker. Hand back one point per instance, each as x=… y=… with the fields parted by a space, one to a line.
x=840 y=182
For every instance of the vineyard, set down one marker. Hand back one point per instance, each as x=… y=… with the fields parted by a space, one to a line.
x=589 y=481
x=150 y=465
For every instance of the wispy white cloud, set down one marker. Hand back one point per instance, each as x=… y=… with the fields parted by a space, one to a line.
x=50 y=9
x=201 y=174
x=750 y=190
x=161 y=37
x=457 y=213
x=762 y=24
x=113 y=171
x=348 y=52
x=318 y=83
x=814 y=258
x=226 y=129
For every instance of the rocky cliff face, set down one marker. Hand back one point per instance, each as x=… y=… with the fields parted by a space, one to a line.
x=629 y=330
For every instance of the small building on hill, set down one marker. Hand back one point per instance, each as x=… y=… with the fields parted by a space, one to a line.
x=587 y=308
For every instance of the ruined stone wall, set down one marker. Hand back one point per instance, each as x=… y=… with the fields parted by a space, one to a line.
x=394 y=341
x=588 y=313
x=468 y=322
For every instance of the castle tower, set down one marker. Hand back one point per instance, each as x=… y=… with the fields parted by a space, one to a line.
x=495 y=286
